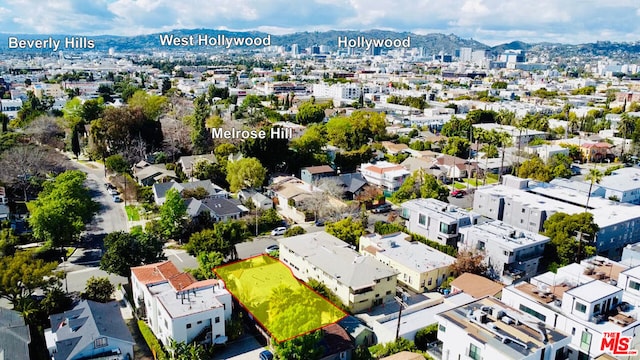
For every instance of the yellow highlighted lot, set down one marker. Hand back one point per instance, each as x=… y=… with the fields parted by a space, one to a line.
x=282 y=304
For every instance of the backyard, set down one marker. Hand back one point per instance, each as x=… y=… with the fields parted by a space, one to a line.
x=284 y=306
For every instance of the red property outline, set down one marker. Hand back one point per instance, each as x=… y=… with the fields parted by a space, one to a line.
x=293 y=276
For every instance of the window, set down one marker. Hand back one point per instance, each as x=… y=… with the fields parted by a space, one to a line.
x=481 y=245
x=474 y=352
x=532 y=312
x=188 y=326
x=442 y=328
x=430 y=281
x=217 y=319
x=585 y=341
x=100 y=342
x=199 y=322
x=581 y=307
x=634 y=285
x=596 y=309
x=422 y=219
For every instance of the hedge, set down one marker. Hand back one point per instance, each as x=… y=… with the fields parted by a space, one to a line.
x=152 y=341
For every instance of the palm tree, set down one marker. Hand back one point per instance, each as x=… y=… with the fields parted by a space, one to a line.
x=504 y=140
x=625 y=126
x=594 y=176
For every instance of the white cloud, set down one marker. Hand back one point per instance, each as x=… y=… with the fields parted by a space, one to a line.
x=484 y=20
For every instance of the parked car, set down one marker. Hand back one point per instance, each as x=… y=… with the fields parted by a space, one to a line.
x=113 y=192
x=319 y=222
x=117 y=198
x=458 y=193
x=266 y=355
x=384 y=208
x=278 y=231
x=271 y=248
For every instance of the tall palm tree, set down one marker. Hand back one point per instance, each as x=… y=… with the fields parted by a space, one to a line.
x=594 y=176
x=504 y=140
x=625 y=127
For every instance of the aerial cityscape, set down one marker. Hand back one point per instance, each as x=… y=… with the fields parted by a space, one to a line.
x=323 y=180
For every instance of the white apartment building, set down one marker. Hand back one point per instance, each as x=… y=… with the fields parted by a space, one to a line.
x=385 y=174
x=490 y=329
x=436 y=220
x=420 y=267
x=586 y=300
x=178 y=307
x=527 y=205
x=10 y=107
x=511 y=254
x=361 y=282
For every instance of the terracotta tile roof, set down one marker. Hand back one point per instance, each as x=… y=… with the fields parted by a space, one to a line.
x=602 y=145
x=380 y=170
x=321 y=169
x=181 y=281
x=201 y=284
x=153 y=273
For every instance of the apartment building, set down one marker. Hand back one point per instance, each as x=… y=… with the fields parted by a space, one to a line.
x=589 y=301
x=384 y=174
x=511 y=254
x=436 y=220
x=490 y=329
x=178 y=307
x=519 y=137
x=528 y=204
x=361 y=282
x=420 y=267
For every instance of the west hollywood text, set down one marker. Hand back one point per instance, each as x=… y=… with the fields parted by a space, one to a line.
x=275 y=133
x=69 y=42
x=219 y=40
x=364 y=42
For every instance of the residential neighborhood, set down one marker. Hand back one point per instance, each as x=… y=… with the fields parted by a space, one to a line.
x=188 y=193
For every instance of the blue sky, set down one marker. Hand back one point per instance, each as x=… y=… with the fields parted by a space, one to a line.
x=489 y=21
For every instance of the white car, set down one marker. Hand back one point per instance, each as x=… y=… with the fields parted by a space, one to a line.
x=278 y=231
x=113 y=192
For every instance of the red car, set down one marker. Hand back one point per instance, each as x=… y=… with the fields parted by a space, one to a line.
x=458 y=193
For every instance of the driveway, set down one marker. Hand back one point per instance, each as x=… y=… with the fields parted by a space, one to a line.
x=245 y=348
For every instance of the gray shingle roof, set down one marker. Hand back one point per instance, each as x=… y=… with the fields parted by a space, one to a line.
x=76 y=329
x=14 y=335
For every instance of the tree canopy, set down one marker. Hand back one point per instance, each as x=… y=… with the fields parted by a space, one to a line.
x=62 y=209
x=245 y=173
x=356 y=130
x=21 y=274
x=125 y=250
x=173 y=213
x=421 y=185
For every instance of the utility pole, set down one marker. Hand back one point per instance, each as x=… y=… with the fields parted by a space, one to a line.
x=64 y=269
x=402 y=305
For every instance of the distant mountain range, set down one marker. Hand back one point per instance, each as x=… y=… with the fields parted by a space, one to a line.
x=432 y=43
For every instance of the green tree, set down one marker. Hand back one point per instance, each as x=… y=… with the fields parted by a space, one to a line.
x=536 y=169
x=302 y=347
x=421 y=185
x=62 y=209
x=4 y=119
x=199 y=134
x=126 y=250
x=245 y=173
x=21 y=274
x=152 y=105
x=593 y=177
x=98 y=289
x=294 y=230
x=173 y=215
x=184 y=351
x=309 y=112
x=457 y=146
x=117 y=163
x=347 y=230
x=563 y=229
x=207 y=241
x=456 y=127
x=75 y=142
x=425 y=336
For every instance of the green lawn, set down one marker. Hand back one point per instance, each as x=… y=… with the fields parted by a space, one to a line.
x=132 y=213
x=286 y=307
x=480 y=182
